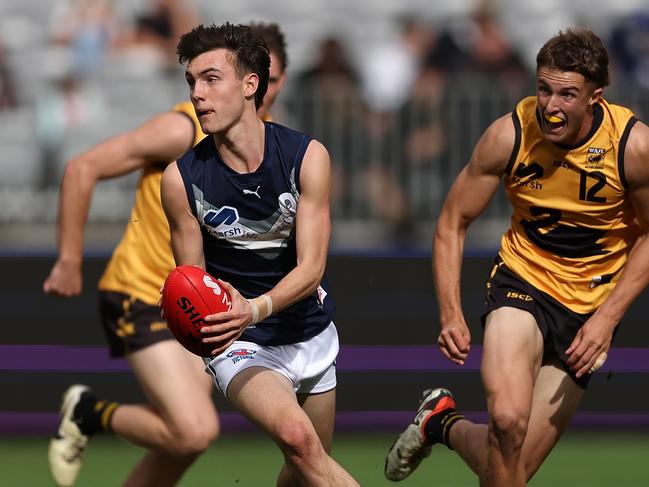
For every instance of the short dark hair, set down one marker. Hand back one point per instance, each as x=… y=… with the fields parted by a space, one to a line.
x=250 y=51
x=274 y=38
x=579 y=51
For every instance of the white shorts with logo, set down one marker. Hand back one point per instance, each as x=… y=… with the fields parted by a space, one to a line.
x=309 y=365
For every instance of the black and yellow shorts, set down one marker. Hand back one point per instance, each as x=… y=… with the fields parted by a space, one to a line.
x=130 y=324
x=558 y=324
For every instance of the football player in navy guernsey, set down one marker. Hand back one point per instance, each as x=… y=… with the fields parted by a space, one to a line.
x=576 y=172
x=179 y=420
x=250 y=204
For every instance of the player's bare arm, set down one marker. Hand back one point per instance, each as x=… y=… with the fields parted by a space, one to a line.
x=313 y=228
x=467 y=199
x=164 y=137
x=187 y=248
x=594 y=338
x=186 y=238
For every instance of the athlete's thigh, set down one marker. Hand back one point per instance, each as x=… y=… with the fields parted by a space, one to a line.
x=556 y=398
x=174 y=381
x=321 y=410
x=267 y=398
x=511 y=356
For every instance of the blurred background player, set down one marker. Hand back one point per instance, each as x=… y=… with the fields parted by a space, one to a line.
x=250 y=204
x=180 y=420
x=576 y=256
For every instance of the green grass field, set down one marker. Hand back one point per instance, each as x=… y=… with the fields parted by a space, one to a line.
x=580 y=459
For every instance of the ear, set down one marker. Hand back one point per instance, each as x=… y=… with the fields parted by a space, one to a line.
x=595 y=96
x=250 y=85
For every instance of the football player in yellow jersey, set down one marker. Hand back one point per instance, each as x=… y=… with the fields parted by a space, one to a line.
x=576 y=171
x=180 y=421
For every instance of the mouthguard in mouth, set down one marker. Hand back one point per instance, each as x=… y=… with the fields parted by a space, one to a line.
x=553 y=119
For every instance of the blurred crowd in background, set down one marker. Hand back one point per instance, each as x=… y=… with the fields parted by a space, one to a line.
x=399 y=92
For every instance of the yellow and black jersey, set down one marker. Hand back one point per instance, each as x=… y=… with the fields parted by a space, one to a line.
x=573 y=225
x=143 y=258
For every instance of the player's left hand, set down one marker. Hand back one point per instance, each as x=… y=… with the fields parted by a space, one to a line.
x=226 y=327
x=589 y=349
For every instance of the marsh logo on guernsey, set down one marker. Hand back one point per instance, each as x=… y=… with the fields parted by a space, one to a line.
x=241 y=354
x=223 y=222
x=527 y=175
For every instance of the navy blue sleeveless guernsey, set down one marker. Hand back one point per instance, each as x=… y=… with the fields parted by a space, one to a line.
x=248 y=227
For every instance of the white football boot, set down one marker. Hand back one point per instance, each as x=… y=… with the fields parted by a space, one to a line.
x=66 y=447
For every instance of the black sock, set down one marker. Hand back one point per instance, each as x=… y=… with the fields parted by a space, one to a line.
x=92 y=414
x=438 y=427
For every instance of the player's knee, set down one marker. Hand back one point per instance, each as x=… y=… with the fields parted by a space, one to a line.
x=507 y=428
x=192 y=439
x=298 y=440
x=192 y=443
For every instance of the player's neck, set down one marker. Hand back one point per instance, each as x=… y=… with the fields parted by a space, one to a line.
x=264 y=115
x=242 y=146
x=586 y=127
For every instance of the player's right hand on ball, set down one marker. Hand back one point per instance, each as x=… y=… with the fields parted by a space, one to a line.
x=64 y=280
x=223 y=328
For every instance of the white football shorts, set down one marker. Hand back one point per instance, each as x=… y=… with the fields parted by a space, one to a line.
x=309 y=365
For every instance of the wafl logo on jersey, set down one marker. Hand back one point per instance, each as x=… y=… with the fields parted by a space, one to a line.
x=595 y=159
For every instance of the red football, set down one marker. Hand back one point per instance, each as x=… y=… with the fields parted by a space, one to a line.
x=189 y=294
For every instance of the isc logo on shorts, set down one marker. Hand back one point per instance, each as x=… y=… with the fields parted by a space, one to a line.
x=521 y=296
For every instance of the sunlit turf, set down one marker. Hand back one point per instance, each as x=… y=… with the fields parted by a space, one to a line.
x=612 y=459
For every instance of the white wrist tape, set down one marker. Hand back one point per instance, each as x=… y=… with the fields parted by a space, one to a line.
x=269 y=304
x=255 y=312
